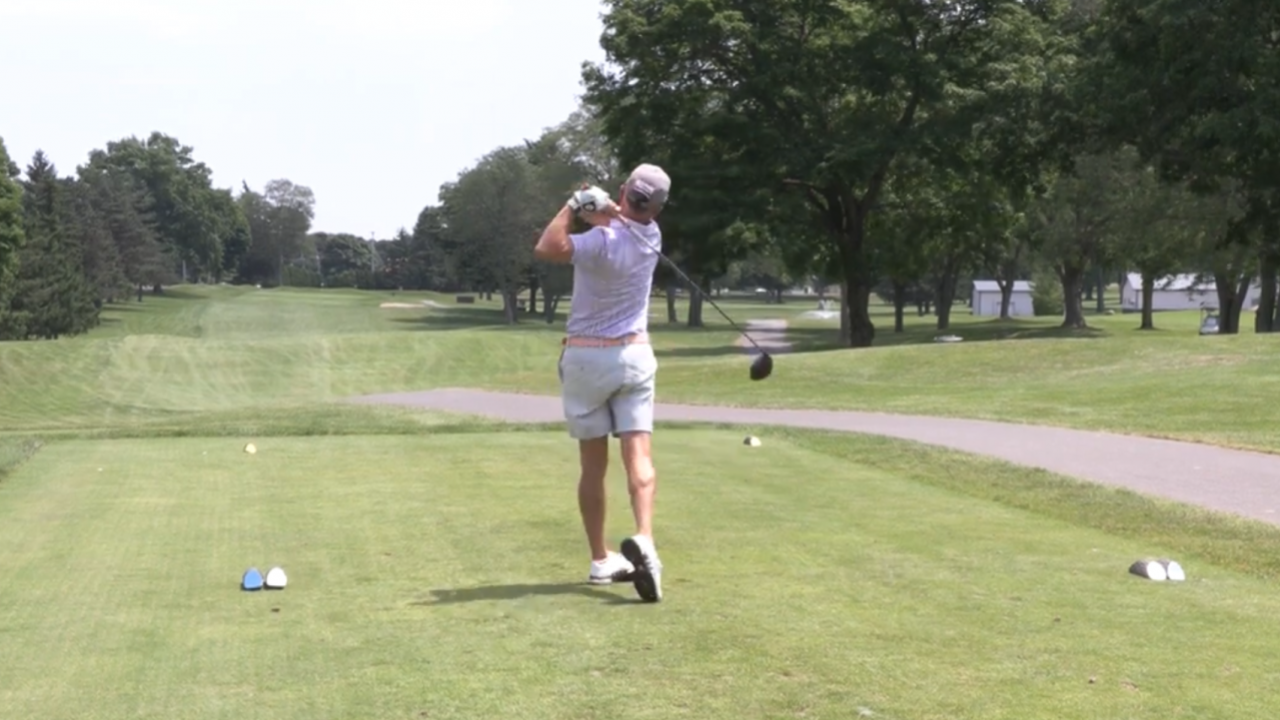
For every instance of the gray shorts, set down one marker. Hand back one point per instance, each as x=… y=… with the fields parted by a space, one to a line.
x=608 y=390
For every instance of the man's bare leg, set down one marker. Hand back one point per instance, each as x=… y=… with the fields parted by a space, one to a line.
x=641 y=479
x=592 y=502
x=639 y=548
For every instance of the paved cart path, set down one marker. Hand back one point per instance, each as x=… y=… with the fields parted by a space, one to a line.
x=1236 y=481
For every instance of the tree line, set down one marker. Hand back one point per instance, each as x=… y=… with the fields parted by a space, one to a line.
x=901 y=148
x=889 y=148
x=141 y=214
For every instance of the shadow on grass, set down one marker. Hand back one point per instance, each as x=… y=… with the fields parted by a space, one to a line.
x=172 y=293
x=515 y=592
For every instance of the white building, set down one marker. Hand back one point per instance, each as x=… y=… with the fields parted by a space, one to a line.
x=986 y=299
x=1177 y=292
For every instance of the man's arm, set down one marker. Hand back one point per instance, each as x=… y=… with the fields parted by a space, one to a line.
x=555 y=245
x=558 y=245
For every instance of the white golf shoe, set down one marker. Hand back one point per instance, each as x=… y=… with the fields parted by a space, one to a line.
x=613 y=568
x=643 y=555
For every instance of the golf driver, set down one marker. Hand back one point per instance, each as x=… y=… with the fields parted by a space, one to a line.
x=762 y=366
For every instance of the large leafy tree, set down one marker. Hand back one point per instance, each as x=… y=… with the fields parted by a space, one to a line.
x=562 y=158
x=1195 y=87
x=819 y=98
x=1159 y=231
x=184 y=203
x=493 y=213
x=232 y=227
x=1075 y=224
x=703 y=222
x=278 y=220
x=426 y=266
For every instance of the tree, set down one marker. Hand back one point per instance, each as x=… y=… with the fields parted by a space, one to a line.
x=1158 y=231
x=1006 y=259
x=232 y=228
x=819 y=98
x=12 y=236
x=124 y=206
x=1076 y=224
x=704 y=220
x=912 y=216
x=278 y=221
x=426 y=264
x=564 y=157
x=182 y=198
x=86 y=226
x=763 y=267
x=51 y=297
x=344 y=259
x=493 y=214
x=1194 y=87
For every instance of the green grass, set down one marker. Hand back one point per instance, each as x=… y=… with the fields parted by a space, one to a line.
x=14 y=451
x=228 y=350
x=816 y=576
x=436 y=561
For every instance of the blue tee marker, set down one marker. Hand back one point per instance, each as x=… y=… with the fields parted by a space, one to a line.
x=252 y=580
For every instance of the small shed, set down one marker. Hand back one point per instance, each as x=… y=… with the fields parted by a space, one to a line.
x=1177 y=292
x=986 y=299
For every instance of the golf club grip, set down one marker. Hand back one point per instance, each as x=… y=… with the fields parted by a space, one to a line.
x=694 y=285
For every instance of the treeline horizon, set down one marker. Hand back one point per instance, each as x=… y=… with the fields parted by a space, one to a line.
x=899 y=151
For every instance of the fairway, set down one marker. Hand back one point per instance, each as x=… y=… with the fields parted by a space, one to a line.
x=437 y=576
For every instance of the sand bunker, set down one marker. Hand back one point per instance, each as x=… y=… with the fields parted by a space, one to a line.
x=408 y=306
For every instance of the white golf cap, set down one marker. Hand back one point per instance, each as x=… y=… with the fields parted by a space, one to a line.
x=651 y=182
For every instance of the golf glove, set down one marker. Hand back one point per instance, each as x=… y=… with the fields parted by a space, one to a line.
x=589 y=200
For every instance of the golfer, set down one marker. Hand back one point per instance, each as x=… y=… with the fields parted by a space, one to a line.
x=607 y=367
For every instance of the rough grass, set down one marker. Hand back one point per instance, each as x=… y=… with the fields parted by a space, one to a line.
x=437 y=577
x=14 y=451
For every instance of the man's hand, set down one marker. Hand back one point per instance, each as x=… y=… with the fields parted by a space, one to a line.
x=593 y=205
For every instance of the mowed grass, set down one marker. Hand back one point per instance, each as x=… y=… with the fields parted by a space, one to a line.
x=440 y=576
x=436 y=562
x=232 y=350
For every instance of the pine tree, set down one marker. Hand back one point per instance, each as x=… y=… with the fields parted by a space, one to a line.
x=12 y=238
x=101 y=256
x=126 y=209
x=52 y=297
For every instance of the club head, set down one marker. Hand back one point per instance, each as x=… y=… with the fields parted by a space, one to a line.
x=762 y=366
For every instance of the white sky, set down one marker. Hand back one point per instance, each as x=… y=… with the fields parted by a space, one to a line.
x=370 y=103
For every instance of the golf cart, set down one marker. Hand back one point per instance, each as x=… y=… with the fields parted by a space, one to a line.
x=1208 y=320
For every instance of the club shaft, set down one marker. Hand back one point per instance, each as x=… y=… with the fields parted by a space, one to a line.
x=691 y=283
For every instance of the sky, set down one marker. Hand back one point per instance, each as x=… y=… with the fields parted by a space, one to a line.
x=372 y=104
